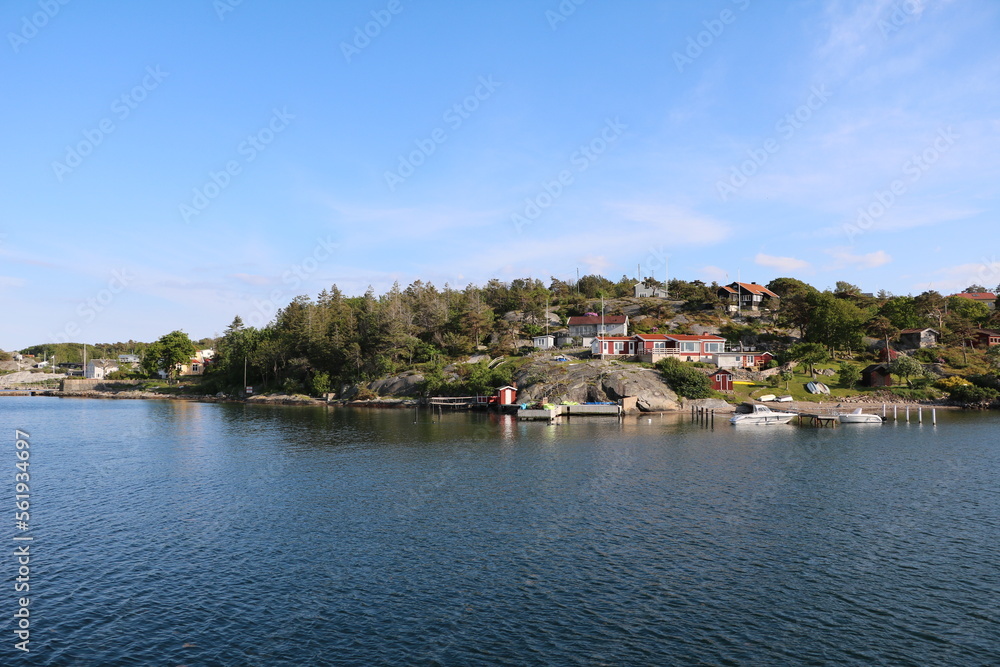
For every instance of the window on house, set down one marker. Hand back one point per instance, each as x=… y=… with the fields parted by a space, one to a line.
x=689 y=346
x=619 y=347
x=713 y=347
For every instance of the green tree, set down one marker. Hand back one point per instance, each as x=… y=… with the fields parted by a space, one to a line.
x=794 y=309
x=836 y=323
x=320 y=384
x=906 y=367
x=684 y=380
x=882 y=327
x=809 y=354
x=167 y=353
x=849 y=374
x=993 y=356
x=974 y=311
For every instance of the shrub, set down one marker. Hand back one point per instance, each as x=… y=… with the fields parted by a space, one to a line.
x=925 y=355
x=685 y=380
x=952 y=382
x=973 y=396
x=321 y=384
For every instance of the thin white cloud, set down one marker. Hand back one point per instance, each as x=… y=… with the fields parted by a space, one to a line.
x=713 y=273
x=11 y=281
x=786 y=264
x=845 y=257
x=955 y=278
x=682 y=225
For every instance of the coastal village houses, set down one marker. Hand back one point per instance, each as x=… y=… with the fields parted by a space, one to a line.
x=591 y=325
x=747 y=297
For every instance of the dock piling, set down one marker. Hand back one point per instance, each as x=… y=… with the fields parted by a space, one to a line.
x=907 y=414
x=920 y=414
x=934 y=416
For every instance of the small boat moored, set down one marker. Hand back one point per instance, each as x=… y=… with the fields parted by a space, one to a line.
x=761 y=415
x=858 y=417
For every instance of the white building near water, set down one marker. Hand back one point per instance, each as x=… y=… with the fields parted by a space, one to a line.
x=99 y=369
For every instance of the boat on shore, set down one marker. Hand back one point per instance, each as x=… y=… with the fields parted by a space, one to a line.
x=767 y=398
x=784 y=399
x=761 y=415
x=859 y=417
x=817 y=388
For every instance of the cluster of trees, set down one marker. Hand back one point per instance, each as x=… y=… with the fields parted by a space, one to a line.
x=839 y=318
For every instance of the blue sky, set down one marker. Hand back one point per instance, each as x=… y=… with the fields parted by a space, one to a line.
x=171 y=165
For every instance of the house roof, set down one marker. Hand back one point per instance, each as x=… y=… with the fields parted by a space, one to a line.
x=876 y=367
x=651 y=336
x=753 y=288
x=708 y=337
x=978 y=296
x=719 y=371
x=911 y=331
x=596 y=319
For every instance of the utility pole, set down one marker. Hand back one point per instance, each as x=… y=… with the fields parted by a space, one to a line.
x=244 y=376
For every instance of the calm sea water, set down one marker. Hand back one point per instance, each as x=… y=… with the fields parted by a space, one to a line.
x=171 y=533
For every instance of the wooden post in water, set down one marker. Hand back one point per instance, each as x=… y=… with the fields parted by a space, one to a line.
x=907 y=414
x=934 y=416
x=895 y=415
x=883 y=412
x=713 y=417
x=920 y=414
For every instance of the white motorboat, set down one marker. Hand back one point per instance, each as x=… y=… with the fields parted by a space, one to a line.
x=763 y=415
x=858 y=417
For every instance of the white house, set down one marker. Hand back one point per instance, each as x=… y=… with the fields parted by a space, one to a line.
x=544 y=342
x=99 y=369
x=128 y=358
x=641 y=290
x=589 y=326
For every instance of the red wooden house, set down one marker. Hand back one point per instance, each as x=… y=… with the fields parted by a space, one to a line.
x=722 y=380
x=613 y=346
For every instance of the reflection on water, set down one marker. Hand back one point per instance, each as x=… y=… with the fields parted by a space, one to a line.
x=187 y=533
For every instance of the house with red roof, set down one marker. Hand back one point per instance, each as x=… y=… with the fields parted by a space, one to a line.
x=747 y=297
x=591 y=325
x=988 y=299
x=686 y=347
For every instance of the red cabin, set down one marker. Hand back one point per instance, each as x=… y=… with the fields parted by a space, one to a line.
x=507 y=395
x=722 y=380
